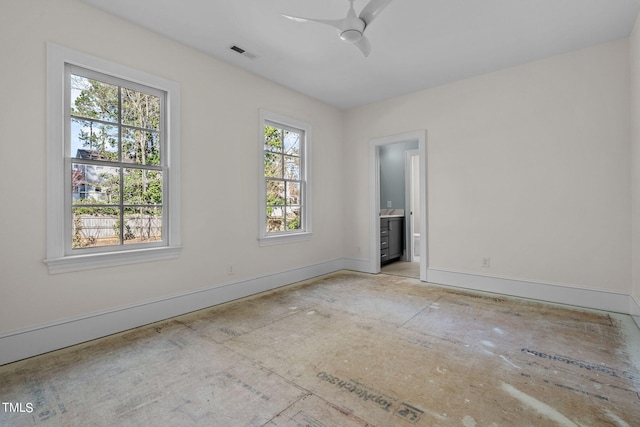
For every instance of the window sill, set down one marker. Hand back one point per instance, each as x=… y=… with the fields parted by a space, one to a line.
x=284 y=238
x=99 y=260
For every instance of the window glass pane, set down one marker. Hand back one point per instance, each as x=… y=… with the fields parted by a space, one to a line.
x=275 y=219
x=292 y=143
x=142 y=187
x=141 y=147
x=93 y=226
x=94 y=99
x=293 y=193
x=291 y=167
x=284 y=146
x=272 y=139
x=275 y=192
x=92 y=184
x=294 y=220
x=140 y=109
x=272 y=165
x=93 y=140
x=114 y=137
x=142 y=225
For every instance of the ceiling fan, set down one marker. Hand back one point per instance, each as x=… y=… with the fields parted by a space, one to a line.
x=351 y=29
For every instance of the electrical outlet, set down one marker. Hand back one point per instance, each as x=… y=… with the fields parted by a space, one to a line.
x=486 y=262
x=389 y=203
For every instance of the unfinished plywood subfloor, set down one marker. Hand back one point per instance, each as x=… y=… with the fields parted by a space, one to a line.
x=345 y=349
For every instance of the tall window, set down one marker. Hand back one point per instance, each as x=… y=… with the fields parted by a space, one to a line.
x=285 y=212
x=113 y=157
x=116 y=163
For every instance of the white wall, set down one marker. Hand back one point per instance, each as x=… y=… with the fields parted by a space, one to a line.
x=528 y=166
x=635 y=166
x=220 y=137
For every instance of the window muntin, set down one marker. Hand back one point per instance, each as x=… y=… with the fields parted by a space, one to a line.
x=285 y=213
x=283 y=172
x=115 y=170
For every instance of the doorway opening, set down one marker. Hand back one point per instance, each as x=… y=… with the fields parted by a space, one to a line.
x=409 y=203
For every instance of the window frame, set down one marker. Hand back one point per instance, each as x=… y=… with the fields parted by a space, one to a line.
x=287 y=236
x=60 y=256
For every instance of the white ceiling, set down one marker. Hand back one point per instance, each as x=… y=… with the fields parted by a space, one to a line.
x=416 y=44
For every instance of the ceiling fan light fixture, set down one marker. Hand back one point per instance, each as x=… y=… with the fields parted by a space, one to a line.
x=351 y=36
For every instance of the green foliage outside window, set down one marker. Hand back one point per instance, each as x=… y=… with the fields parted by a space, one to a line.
x=283 y=173
x=120 y=127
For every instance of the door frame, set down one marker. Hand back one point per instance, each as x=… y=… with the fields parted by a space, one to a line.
x=374 y=198
x=408 y=201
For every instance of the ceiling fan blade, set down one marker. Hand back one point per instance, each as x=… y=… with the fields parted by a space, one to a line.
x=335 y=23
x=294 y=18
x=364 y=46
x=372 y=10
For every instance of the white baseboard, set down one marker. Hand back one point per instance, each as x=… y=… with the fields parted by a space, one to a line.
x=634 y=309
x=20 y=344
x=357 y=264
x=17 y=345
x=637 y=320
x=575 y=296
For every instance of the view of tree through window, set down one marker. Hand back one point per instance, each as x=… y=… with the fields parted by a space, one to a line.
x=116 y=163
x=284 y=178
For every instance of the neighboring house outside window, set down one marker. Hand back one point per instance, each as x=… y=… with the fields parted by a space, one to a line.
x=116 y=142
x=285 y=190
x=113 y=194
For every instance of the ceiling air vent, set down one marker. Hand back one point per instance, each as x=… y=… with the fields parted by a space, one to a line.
x=242 y=52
